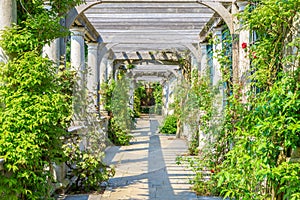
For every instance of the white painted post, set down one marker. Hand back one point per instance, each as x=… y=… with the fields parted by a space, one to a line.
x=110 y=68
x=52 y=51
x=103 y=79
x=131 y=93
x=244 y=61
x=8 y=10
x=217 y=35
x=203 y=64
x=77 y=51
x=78 y=64
x=217 y=75
x=166 y=91
x=92 y=77
x=103 y=69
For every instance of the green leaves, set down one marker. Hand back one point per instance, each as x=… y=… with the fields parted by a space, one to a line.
x=35 y=116
x=169 y=125
x=252 y=146
x=116 y=102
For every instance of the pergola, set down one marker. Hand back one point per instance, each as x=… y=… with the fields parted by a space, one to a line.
x=141 y=26
x=159 y=32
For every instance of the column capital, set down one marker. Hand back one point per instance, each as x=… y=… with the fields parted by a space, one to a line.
x=203 y=45
x=92 y=45
x=217 y=30
x=241 y=4
x=78 y=31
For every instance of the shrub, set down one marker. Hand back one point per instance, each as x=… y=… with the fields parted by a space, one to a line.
x=87 y=170
x=34 y=117
x=169 y=125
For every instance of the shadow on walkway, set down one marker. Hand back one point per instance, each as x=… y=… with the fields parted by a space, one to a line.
x=146 y=169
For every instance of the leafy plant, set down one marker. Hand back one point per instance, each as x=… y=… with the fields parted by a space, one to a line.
x=35 y=115
x=87 y=170
x=157 y=94
x=250 y=150
x=169 y=125
x=116 y=101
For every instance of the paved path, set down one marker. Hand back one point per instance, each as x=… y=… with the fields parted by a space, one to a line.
x=147 y=169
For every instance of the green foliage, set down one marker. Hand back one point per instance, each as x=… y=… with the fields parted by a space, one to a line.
x=139 y=94
x=157 y=94
x=116 y=101
x=35 y=103
x=36 y=26
x=35 y=115
x=116 y=134
x=142 y=97
x=251 y=148
x=169 y=125
x=87 y=169
x=277 y=38
x=106 y=93
x=202 y=182
x=193 y=106
x=265 y=135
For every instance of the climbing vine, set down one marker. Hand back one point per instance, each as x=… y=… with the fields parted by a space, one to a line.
x=116 y=101
x=253 y=153
x=36 y=102
x=157 y=95
x=139 y=94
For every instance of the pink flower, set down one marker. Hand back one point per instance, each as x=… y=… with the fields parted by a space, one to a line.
x=244 y=45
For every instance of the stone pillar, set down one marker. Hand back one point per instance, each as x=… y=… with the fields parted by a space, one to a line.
x=92 y=77
x=194 y=62
x=8 y=10
x=77 y=50
x=110 y=68
x=217 y=35
x=203 y=64
x=78 y=64
x=131 y=94
x=52 y=51
x=244 y=60
x=195 y=67
x=103 y=79
x=103 y=69
x=165 y=97
x=216 y=72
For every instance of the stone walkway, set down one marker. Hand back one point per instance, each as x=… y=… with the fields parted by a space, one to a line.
x=147 y=169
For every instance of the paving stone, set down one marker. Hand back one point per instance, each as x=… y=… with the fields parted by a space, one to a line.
x=147 y=168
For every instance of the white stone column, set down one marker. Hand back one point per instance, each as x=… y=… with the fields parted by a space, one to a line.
x=194 y=62
x=110 y=68
x=244 y=60
x=131 y=93
x=102 y=79
x=52 y=51
x=103 y=69
x=92 y=77
x=78 y=64
x=217 y=35
x=195 y=66
x=77 y=52
x=217 y=75
x=8 y=16
x=165 y=97
x=203 y=64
